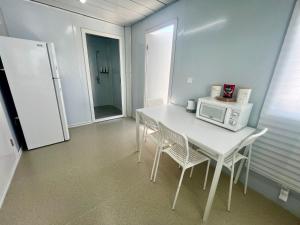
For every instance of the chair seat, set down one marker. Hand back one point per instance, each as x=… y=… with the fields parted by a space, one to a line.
x=228 y=160
x=155 y=136
x=176 y=152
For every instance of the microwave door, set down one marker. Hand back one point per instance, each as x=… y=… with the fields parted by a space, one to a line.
x=213 y=112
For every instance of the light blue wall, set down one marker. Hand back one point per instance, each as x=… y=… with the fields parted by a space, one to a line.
x=217 y=41
x=221 y=41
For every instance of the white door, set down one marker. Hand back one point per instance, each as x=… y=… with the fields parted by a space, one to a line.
x=159 y=49
x=8 y=154
x=6 y=139
x=28 y=72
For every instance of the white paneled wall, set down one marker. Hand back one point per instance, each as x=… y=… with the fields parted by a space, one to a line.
x=277 y=154
x=39 y=22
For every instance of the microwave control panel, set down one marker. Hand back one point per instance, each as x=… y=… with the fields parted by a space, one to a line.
x=234 y=116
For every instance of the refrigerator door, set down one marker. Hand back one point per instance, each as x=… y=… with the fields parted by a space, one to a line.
x=61 y=105
x=27 y=67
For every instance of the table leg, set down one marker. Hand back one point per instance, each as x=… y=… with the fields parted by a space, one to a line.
x=213 y=187
x=137 y=122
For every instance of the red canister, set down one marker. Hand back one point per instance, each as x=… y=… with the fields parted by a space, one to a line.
x=228 y=90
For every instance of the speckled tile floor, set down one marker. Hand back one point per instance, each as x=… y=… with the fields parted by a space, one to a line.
x=94 y=179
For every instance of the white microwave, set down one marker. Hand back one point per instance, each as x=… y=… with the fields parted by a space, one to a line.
x=230 y=115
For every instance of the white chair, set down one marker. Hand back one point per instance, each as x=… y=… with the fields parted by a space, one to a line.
x=178 y=149
x=231 y=160
x=152 y=126
x=152 y=103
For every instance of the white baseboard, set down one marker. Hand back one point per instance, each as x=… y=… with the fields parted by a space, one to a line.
x=79 y=124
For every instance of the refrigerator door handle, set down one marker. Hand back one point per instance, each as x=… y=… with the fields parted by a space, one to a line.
x=53 y=60
x=61 y=108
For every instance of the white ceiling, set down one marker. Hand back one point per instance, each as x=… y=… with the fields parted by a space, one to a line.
x=121 y=12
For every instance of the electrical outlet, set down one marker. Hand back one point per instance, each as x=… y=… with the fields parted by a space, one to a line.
x=284 y=194
x=189 y=80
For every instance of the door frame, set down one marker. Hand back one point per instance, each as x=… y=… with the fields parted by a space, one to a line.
x=84 y=32
x=173 y=22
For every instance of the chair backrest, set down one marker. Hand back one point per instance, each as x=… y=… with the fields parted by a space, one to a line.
x=175 y=138
x=252 y=138
x=149 y=122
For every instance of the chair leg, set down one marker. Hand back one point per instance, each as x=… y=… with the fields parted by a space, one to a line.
x=247 y=172
x=178 y=188
x=154 y=162
x=143 y=138
x=206 y=174
x=145 y=134
x=246 y=178
x=237 y=175
x=191 y=173
x=142 y=145
x=230 y=185
x=238 y=172
x=157 y=163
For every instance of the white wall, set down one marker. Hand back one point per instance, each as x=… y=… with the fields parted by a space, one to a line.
x=34 y=21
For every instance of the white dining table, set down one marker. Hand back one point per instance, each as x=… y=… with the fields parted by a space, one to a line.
x=214 y=141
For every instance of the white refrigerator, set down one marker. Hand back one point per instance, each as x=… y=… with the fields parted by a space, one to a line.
x=32 y=74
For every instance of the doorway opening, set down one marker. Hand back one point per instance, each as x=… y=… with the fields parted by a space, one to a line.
x=103 y=63
x=158 y=64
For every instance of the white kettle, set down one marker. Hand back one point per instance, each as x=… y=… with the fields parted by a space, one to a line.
x=191 y=106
